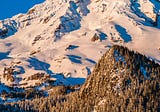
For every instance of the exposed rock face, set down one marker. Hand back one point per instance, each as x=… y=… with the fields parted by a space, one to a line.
x=7 y=28
x=95 y=37
x=3 y=32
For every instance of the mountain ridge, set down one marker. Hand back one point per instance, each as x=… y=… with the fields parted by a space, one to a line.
x=61 y=40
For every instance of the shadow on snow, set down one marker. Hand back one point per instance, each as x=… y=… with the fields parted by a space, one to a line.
x=122 y=31
x=4 y=55
x=39 y=65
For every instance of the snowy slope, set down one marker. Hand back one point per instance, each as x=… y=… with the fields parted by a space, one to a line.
x=57 y=37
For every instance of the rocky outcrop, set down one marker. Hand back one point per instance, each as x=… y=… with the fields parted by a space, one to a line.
x=3 y=32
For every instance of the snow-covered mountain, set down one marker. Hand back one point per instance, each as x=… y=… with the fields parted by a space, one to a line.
x=63 y=39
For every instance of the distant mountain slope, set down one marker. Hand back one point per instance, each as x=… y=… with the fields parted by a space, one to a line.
x=122 y=80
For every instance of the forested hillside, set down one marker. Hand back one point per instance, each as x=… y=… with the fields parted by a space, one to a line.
x=122 y=81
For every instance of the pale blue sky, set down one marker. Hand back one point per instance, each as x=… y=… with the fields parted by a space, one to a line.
x=9 y=8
